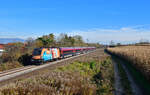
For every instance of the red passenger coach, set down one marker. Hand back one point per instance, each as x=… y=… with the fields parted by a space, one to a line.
x=67 y=51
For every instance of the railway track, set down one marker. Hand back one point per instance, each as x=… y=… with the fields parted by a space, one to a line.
x=12 y=71
x=7 y=75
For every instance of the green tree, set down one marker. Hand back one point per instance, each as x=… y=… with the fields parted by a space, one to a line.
x=46 y=40
x=78 y=40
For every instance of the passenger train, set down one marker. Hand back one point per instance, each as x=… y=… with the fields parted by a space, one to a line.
x=42 y=55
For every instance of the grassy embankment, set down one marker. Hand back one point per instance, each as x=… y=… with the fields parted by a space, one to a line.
x=9 y=65
x=79 y=78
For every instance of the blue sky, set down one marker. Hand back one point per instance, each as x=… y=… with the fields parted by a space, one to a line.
x=96 y=20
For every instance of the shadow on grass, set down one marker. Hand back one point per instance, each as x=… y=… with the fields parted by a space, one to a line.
x=97 y=80
x=25 y=59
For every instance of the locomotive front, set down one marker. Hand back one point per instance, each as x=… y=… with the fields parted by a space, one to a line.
x=45 y=54
x=36 y=55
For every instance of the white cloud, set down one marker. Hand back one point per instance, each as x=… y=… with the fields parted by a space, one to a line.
x=124 y=34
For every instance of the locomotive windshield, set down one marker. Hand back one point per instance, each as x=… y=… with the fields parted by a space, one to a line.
x=37 y=52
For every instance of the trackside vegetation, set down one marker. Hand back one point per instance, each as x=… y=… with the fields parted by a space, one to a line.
x=94 y=77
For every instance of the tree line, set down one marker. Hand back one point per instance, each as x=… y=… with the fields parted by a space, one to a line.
x=63 y=40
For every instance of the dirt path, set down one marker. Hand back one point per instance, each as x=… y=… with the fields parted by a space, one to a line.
x=118 y=86
x=134 y=86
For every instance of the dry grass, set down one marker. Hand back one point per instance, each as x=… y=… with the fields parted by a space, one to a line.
x=138 y=55
x=9 y=65
x=56 y=83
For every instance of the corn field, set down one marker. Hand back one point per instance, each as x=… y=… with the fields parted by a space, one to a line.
x=138 y=55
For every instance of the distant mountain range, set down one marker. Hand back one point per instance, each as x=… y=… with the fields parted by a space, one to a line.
x=10 y=40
